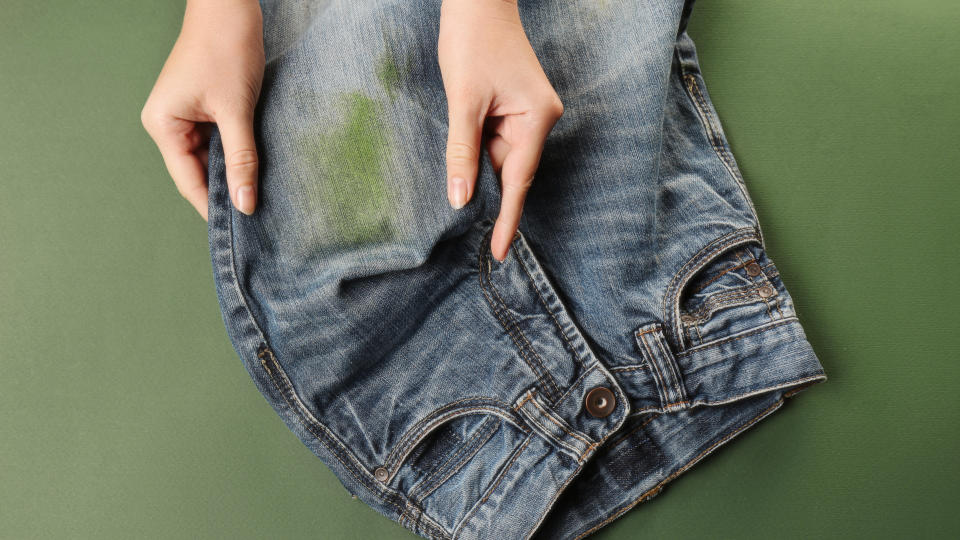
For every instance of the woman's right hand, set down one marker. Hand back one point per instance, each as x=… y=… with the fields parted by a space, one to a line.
x=213 y=74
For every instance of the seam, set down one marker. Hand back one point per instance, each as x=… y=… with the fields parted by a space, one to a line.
x=655 y=489
x=553 y=390
x=491 y=489
x=399 y=460
x=553 y=316
x=701 y=258
x=392 y=500
x=713 y=133
x=803 y=382
x=724 y=300
x=660 y=380
x=355 y=468
x=671 y=363
x=549 y=386
x=454 y=463
x=634 y=367
x=426 y=422
x=723 y=272
x=618 y=440
x=764 y=328
x=561 y=424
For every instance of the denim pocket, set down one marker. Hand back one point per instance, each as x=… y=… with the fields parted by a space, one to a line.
x=737 y=290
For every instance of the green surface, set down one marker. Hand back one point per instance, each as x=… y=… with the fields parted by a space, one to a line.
x=125 y=412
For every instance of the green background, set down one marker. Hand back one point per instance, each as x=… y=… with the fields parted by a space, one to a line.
x=125 y=412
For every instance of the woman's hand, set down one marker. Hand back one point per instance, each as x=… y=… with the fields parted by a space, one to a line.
x=213 y=74
x=490 y=70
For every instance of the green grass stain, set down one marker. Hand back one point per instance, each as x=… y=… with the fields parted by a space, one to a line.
x=389 y=71
x=349 y=161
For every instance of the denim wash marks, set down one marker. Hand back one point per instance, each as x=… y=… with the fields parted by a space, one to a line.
x=636 y=325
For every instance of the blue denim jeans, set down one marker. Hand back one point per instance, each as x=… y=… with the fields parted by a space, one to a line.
x=636 y=324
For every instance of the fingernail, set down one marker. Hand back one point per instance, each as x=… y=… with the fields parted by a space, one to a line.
x=458 y=192
x=246 y=199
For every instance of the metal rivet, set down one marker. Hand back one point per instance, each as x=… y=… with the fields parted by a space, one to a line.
x=766 y=291
x=753 y=269
x=600 y=402
x=381 y=474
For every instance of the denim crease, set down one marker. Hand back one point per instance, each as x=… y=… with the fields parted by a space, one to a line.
x=448 y=390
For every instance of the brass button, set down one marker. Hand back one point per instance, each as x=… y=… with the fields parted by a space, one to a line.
x=753 y=269
x=381 y=474
x=766 y=291
x=600 y=402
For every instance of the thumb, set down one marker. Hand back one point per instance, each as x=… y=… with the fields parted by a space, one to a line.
x=463 y=150
x=240 y=157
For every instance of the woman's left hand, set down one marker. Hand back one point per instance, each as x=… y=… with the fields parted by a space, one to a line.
x=494 y=84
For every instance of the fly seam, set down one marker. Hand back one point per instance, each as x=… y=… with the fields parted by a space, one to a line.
x=535 y=366
x=546 y=373
x=563 y=333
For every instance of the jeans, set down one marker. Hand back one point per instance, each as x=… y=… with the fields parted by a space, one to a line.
x=636 y=324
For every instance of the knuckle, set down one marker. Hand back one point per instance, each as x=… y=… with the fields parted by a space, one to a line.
x=242 y=160
x=461 y=153
x=517 y=186
x=551 y=107
x=148 y=118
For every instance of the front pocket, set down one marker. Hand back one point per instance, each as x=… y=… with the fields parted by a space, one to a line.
x=737 y=290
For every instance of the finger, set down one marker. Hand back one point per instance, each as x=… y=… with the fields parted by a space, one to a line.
x=498 y=149
x=177 y=141
x=517 y=176
x=240 y=157
x=463 y=148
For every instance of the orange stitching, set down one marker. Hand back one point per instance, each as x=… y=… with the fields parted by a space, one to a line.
x=714 y=304
x=676 y=473
x=620 y=439
x=725 y=271
x=653 y=361
x=587 y=452
x=423 y=424
x=484 y=433
x=730 y=239
x=549 y=416
x=412 y=442
x=536 y=369
x=648 y=330
x=767 y=327
x=547 y=378
x=499 y=479
x=307 y=425
x=550 y=311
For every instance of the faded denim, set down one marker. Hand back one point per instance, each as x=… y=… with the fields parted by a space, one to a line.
x=446 y=389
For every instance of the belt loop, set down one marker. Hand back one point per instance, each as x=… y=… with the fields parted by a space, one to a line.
x=656 y=351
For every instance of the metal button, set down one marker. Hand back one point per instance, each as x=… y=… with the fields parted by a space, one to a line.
x=753 y=269
x=600 y=402
x=766 y=291
x=381 y=474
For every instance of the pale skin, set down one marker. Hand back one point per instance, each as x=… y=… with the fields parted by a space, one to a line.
x=498 y=97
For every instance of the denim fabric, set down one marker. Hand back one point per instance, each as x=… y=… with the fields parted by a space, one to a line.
x=446 y=389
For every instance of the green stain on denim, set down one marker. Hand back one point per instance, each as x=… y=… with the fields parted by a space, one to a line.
x=389 y=70
x=349 y=162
